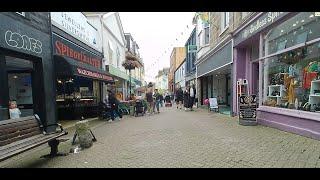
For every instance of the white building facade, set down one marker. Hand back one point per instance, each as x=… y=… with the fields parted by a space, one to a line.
x=113 y=47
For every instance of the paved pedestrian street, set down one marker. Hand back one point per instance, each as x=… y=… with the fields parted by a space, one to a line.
x=175 y=138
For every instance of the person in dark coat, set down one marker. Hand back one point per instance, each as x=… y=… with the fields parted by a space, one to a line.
x=114 y=103
x=186 y=98
x=192 y=93
x=179 y=97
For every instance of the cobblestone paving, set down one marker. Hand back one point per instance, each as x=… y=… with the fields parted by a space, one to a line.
x=175 y=138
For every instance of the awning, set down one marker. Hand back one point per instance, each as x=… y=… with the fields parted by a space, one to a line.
x=67 y=67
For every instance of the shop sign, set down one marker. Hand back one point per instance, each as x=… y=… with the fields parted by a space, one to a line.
x=247 y=108
x=265 y=20
x=93 y=74
x=75 y=24
x=23 y=38
x=22 y=41
x=63 y=47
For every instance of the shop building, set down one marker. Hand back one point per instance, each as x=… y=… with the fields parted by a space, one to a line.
x=191 y=55
x=26 y=65
x=78 y=66
x=177 y=56
x=215 y=59
x=280 y=52
x=179 y=76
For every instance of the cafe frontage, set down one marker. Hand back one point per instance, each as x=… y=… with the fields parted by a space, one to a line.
x=79 y=73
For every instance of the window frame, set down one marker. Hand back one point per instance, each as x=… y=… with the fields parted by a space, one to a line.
x=223 y=25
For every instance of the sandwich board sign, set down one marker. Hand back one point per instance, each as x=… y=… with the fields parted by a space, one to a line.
x=248 y=110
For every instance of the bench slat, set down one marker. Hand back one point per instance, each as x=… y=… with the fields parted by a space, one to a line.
x=10 y=121
x=20 y=132
x=18 y=125
x=26 y=148
x=8 y=141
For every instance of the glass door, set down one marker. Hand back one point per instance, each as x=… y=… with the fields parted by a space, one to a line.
x=20 y=84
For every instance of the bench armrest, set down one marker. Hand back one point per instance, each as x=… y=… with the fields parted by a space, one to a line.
x=57 y=124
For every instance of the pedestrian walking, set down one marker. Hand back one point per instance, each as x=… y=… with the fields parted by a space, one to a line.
x=186 y=97
x=192 y=93
x=150 y=100
x=161 y=100
x=114 y=104
x=179 y=97
x=157 y=98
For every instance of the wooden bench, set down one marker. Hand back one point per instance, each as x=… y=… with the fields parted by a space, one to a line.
x=26 y=133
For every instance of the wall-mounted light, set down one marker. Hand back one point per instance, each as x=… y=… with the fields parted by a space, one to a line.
x=15 y=77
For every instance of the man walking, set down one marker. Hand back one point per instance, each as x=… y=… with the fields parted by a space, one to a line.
x=114 y=103
x=150 y=100
x=157 y=98
x=192 y=96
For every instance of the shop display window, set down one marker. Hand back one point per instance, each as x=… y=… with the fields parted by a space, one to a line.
x=292 y=78
x=84 y=91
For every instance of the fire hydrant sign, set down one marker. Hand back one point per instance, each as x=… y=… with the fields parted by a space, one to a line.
x=248 y=110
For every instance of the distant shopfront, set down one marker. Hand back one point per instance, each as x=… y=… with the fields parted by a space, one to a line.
x=214 y=75
x=26 y=70
x=286 y=60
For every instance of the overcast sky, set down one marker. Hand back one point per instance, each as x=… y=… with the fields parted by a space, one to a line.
x=156 y=34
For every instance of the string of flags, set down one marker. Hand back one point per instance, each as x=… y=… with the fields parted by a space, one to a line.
x=173 y=44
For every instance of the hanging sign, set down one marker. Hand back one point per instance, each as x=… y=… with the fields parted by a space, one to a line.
x=248 y=110
x=192 y=48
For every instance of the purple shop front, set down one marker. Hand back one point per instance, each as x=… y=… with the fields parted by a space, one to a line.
x=279 y=54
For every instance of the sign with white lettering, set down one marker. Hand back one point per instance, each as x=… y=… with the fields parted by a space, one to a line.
x=22 y=41
x=247 y=109
x=75 y=24
x=256 y=26
x=93 y=74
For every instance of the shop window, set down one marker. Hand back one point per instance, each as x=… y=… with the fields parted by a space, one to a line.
x=292 y=78
x=206 y=34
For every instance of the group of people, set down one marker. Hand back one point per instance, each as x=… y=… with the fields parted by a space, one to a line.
x=154 y=99
x=186 y=98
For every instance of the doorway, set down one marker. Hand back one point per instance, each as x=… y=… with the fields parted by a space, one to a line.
x=20 y=84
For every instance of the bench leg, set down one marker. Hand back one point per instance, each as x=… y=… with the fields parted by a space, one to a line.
x=54 y=149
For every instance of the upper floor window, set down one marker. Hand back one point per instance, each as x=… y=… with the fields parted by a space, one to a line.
x=206 y=33
x=110 y=53
x=244 y=14
x=225 y=20
x=21 y=13
x=118 y=57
